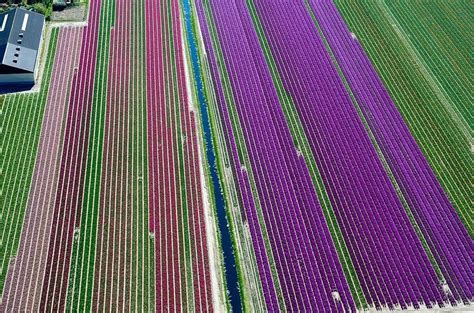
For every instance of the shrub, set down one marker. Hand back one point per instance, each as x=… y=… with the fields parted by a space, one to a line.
x=43 y=9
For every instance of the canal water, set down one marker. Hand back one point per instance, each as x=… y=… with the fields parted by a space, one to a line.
x=226 y=241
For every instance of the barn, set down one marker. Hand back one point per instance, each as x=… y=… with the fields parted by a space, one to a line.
x=20 y=38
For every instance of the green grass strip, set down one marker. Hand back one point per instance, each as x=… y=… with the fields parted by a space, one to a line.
x=81 y=279
x=23 y=129
x=206 y=169
x=440 y=42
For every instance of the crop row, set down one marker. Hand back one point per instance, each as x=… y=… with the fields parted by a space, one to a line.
x=28 y=269
x=237 y=156
x=302 y=144
x=401 y=236
x=439 y=136
x=85 y=242
x=177 y=217
x=356 y=182
x=439 y=34
x=112 y=259
x=96 y=227
x=293 y=216
x=439 y=223
x=113 y=253
x=68 y=200
x=22 y=116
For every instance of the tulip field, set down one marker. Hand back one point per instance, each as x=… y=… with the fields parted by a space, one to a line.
x=110 y=213
x=330 y=179
x=243 y=155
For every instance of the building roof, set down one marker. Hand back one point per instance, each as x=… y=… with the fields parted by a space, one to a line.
x=20 y=37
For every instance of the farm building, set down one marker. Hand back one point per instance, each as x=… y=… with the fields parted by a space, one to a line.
x=20 y=37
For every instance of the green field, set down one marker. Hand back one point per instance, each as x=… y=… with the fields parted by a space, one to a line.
x=436 y=125
x=441 y=35
x=21 y=120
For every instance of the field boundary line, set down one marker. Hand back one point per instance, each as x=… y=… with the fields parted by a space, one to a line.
x=427 y=73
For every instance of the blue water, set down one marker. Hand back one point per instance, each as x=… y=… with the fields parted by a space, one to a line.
x=226 y=242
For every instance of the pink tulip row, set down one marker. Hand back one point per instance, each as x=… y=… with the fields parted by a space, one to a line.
x=68 y=201
x=27 y=272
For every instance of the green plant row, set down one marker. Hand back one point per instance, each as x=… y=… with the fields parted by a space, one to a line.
x=440 y=37
x=443 y=143
x=22 y=116
x=81 y=276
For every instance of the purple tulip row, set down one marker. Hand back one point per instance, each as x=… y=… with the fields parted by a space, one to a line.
x=446 y=235
x=306 y=260
x=391 y=264
x=242 y=177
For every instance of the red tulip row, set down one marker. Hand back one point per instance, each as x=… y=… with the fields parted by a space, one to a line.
x=175 y=200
